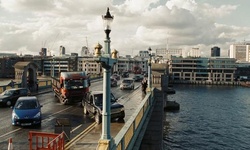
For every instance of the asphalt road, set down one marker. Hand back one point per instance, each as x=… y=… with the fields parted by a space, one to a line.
x=51 y=111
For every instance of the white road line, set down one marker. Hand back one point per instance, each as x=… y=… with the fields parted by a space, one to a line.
x=10 y=132
x=60 y=111
x=75 y=128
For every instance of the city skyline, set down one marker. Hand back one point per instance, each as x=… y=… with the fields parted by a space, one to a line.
x=29 y=25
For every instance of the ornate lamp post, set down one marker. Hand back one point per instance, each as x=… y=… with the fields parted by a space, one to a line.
x=149 y=70
x=107 y=63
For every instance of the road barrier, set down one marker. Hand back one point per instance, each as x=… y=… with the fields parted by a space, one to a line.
x=46 y=141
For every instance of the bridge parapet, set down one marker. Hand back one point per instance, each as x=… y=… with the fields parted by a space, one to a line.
x=128 y=135
x=131 y=135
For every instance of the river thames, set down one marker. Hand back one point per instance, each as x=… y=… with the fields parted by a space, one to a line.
x=210 y=118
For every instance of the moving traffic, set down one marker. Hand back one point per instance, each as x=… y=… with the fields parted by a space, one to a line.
x=52 y=110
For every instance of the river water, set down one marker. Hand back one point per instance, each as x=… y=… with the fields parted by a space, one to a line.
x=210 y=118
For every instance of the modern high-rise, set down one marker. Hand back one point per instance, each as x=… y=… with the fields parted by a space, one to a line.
x=43 y=52
x=241 y=52
x=215 y=51
x=62 y=50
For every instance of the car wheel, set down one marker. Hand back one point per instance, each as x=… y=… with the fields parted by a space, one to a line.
x=83 y=104
x=8 y=103
x=63 y=100
x=98 y=118
x=85 y=111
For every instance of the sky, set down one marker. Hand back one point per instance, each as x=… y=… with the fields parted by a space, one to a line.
x=28 y=25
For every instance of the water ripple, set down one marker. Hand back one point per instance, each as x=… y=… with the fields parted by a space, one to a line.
x=211 y=118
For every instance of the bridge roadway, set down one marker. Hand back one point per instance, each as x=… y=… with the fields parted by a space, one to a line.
x=89 y=138
x=138 y=110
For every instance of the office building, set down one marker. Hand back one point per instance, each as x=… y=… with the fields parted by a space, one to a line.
x=215 y=51
x=241 y=52
x=62 y=51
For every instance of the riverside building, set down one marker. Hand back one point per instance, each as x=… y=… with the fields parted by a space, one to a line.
x=202 y=69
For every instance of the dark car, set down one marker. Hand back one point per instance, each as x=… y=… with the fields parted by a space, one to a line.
x=92 y=103
x=27 y=111
x=125 y=74
x=113 y=82
x=138 y=78
x=10 y=96
x=116 y=76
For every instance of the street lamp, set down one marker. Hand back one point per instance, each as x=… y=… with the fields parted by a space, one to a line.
x=107 y=63
x=149 y=70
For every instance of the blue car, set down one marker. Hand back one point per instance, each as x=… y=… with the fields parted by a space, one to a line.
x=27 y=111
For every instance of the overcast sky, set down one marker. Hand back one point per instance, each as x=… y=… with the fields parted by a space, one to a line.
x=28 y=25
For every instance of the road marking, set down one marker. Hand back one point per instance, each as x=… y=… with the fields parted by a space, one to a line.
x=75 y=128
x=10 y=132
x=60 y=111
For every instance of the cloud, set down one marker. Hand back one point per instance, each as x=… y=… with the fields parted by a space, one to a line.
x=28 y=25
x=27 y=5
x=187 y=4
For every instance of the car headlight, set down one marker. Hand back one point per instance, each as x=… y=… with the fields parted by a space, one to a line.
x=14 y=115
x=2 y=99
x=38 y=115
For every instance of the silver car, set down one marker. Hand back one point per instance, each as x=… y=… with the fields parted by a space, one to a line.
x=127 y=83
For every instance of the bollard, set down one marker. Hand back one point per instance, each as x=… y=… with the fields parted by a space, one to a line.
x=10 y=146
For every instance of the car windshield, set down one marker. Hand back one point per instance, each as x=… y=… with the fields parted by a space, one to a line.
x=26 y=104
x=76 y=84
x=7 y=92
x=99 y=97
x=127 y=81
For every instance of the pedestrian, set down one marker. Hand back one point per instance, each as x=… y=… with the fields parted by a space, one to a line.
x=144 y=85
x=89 y=80
x=37 y=82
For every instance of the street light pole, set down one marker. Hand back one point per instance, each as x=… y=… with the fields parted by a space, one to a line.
x=106 y=84
x=106 y=141
x=149 y=70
